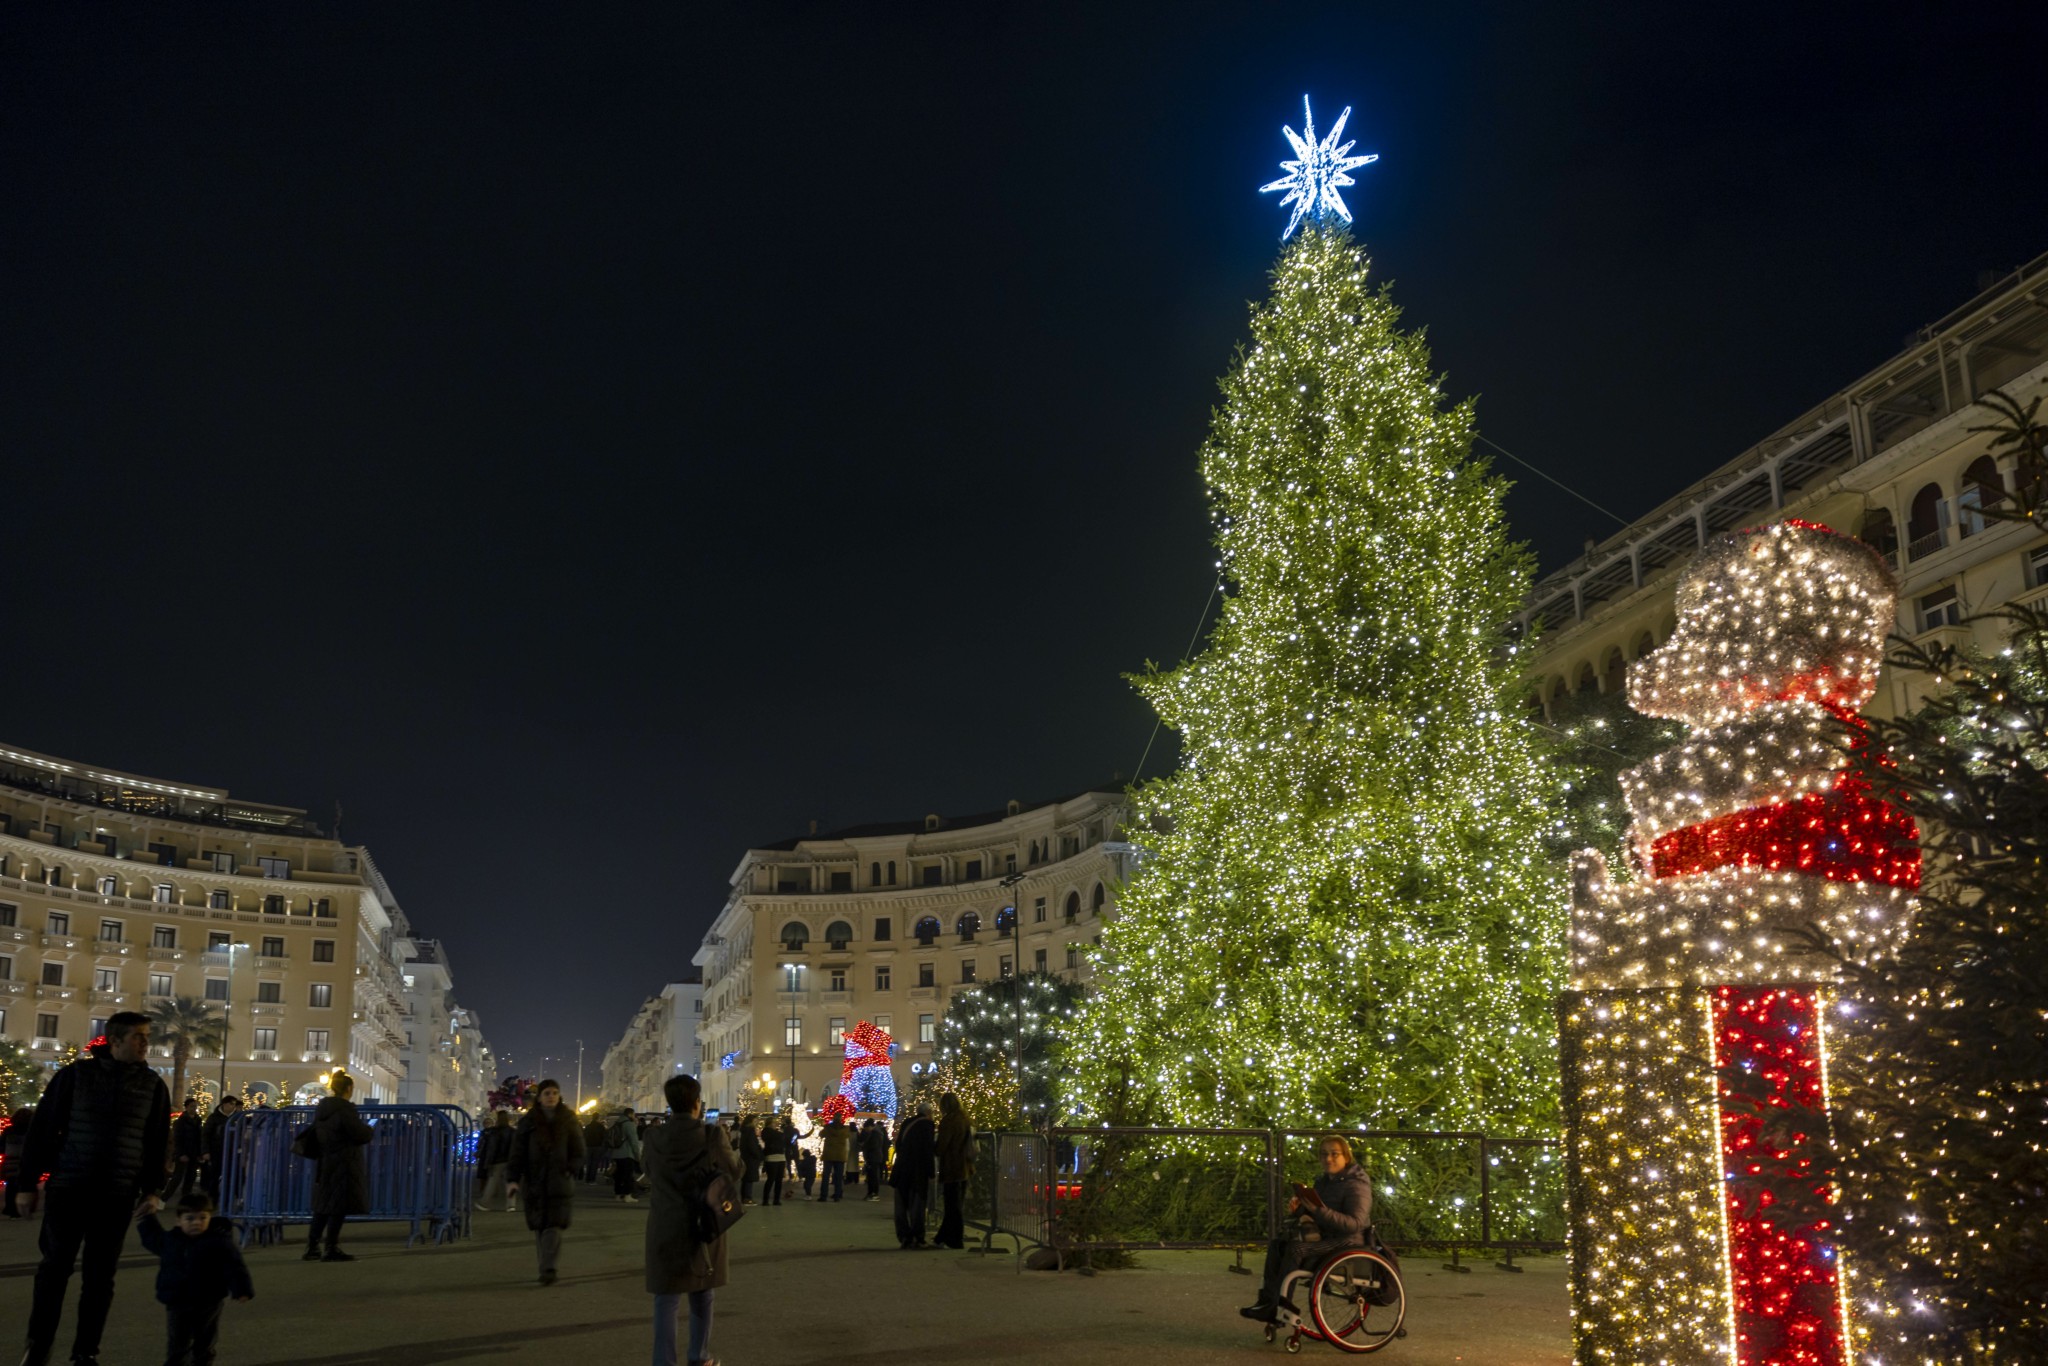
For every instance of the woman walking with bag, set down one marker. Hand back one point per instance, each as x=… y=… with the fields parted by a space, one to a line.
x=341 y=1183
x=547 y=1155
x=680 y=1155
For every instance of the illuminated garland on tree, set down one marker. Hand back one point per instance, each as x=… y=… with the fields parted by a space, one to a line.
x=1696 y=1039
x=979 y=1034
x=1938 y=1063
x=1348 y=914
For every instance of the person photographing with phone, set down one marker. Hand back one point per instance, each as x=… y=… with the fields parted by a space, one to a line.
x=1337 y=1209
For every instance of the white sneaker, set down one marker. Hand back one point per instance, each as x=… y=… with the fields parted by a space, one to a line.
x=629 y=1199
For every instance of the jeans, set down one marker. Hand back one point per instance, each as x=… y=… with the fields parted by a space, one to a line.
x=194 y=1327
x=96 y=1223
x=329 y=1224
x=771 y=1184
x=952 y=1225
x=625 y=1171
x=910 y=1207
x=834 y=1182
x=547 y=1245
x=667 y=1310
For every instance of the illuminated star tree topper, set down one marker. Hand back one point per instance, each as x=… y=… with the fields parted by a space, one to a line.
x=1312 y=181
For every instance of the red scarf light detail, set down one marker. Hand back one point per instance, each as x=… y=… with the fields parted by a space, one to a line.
x=1786 y=1282
x=867 y=1045
x=1843 y=835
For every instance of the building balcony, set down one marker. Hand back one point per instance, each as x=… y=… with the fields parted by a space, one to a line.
x=112 y=948
x=159 y=954
x=278 y=961
x=923 y=993
x=842 y=999
x=13 y=934
x=1920 y=547
x=10 y=987
x=46 y=992
x=266 y=1010
x=61 y=941
x=110 y=998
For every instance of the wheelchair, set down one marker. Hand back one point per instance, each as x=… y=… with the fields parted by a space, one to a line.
x=1355 y=1302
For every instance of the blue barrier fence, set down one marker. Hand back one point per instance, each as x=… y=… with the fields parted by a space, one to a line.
x=421 y=1162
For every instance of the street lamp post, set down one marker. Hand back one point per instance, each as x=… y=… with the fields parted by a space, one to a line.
x=227 y=1018
x=1017 y=977
x=794 y=973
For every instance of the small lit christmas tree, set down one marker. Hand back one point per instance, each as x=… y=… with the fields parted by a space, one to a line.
x=1942 y=1051
x=980 y=1032
x=1348 y=913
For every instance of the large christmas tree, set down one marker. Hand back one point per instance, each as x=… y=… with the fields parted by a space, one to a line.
x=1347 y=914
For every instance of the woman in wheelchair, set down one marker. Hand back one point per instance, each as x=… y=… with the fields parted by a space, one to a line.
x=1342 y=1219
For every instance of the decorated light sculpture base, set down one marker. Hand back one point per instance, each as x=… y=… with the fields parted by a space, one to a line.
x=1695 y=1035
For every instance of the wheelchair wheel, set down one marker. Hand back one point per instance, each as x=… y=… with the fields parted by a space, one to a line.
x=1345 y=1300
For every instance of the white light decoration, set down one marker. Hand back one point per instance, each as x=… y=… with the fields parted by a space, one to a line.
x=1695 y=1040
x=1318 y=172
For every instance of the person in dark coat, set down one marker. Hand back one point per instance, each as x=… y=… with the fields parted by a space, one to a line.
x=916 y=1163
x=955 y=1150
x=751 y=1154
x=547 y=1152
x=677 y=1156
x=187 y=1147
x=774 y=1162
x=198 y=1268
x=341 y=1183
x=12 y=1169
x=213 y=1140
x=1340 y=1220
x=597 y=1144
x=100 y=1131
x=493 y=1151
x=874 y=1154
x=806 y=1167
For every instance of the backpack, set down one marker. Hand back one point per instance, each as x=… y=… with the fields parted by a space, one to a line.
x=1383 y=1293
x=711 y=1203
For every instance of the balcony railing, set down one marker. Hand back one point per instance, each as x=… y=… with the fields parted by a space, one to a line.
x=1920 y=547
x=60 y=941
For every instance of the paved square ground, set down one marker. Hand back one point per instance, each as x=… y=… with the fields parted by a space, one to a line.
x=812 y=1285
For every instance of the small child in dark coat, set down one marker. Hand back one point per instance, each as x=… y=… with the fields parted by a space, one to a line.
x=198 y=1267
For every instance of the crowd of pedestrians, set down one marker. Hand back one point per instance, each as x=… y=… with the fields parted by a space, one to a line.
x=104 y=1134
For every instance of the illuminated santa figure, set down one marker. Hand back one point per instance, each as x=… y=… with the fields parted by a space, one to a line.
x=1695 y=1036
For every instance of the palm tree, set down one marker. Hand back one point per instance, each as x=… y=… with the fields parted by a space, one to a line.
x=189 y=1025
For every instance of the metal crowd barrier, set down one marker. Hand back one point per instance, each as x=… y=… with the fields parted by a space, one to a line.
x=1080 y=1190
x=420 y=1161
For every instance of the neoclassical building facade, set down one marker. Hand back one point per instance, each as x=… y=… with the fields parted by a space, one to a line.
x=119 y=891
x=660 y=1043
x=887 y=923
x=1891 y=458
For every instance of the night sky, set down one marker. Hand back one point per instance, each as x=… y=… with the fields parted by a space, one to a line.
x=588 y=440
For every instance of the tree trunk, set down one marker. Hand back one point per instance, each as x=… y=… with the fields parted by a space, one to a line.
x=181 y=1053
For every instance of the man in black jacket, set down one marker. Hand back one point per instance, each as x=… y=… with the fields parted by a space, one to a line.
x=215 y=1141
x=100 y=1132
x=187 y=1143
x=916 y=1163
